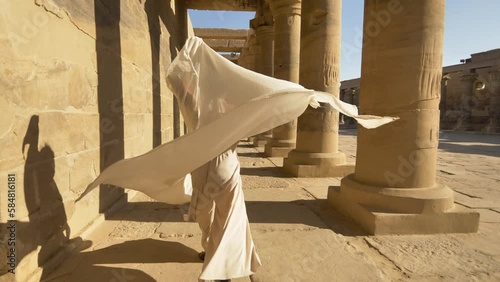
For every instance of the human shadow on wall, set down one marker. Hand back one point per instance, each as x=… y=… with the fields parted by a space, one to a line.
x=47 y=227
x=110 y=93
x=158 y=12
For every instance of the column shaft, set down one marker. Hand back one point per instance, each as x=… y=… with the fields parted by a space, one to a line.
x=286 y=66
x=263 y=25
x=443 y=100
x=317 y=152
x=394 y=189
x=494 y=89
x=467 y=101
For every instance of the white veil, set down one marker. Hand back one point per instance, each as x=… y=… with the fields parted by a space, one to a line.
x=221 y=103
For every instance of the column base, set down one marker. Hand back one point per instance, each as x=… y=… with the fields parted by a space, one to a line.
x=382 y=211
x=260 y=142
x=277 y=152
x=302 y=164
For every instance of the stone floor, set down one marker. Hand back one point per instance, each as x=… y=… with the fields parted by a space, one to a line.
x=301 y=238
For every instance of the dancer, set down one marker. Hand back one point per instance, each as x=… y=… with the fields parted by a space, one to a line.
x=217 y=202
x=221 y=103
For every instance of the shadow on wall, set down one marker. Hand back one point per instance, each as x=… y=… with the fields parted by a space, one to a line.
x=110 y=93
x=47 y=228
x=160 y=10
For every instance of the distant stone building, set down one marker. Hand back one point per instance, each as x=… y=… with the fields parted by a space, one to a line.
x=470 y=94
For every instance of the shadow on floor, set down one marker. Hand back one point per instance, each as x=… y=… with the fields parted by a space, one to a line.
x=483 y=150
x=245 y=144
x=313 y=213
x=252 y=155
x=273 y=171
x=348 y=131
x=84 y=265
x=458 y=137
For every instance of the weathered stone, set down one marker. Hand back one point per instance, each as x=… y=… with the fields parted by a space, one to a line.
x=287 y=19
x=80 y=84
x=221 y=33
x=393 y=189
x=316 y=153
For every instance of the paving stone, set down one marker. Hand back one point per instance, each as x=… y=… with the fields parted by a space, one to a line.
x=433 y=256
x=299 y=236
x=316 y=255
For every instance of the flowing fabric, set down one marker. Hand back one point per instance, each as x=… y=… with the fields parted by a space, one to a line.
x=218 y=206
x=222 y=103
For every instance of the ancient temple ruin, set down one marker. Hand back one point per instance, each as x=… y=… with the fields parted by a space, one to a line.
x=83 y=86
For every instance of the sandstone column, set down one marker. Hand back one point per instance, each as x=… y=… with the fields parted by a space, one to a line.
x=442 y=102
x=181 y=10
x=317 y=153
x=494 y=78
x=253 y=60
x=467 y=100
x=243 y=59
x=394 y=188
x=355 y=96
x=286 y=66
x=247 y=57
x=254 y=52
x=342 y=97
x=349 y=98
x=263 y=24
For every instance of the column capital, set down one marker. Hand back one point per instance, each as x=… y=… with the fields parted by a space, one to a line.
x=251 y=41
x=263 y=17
x=265 y=31
x=263 y=21
x=285 y=7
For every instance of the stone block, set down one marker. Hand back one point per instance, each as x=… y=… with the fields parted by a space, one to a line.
x=137 y=89
x=277 y=152
x=302 y=164
x=259 y=142
x=425 y=212
x=49 y=76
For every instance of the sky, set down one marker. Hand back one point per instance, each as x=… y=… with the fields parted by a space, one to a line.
x=471 y=26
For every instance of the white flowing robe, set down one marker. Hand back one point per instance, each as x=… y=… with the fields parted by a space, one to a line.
x=231 y=103
x=218 y=206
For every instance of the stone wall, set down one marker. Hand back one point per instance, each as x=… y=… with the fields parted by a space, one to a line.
x=81 y=86
x=476 y=79
x=480 y=100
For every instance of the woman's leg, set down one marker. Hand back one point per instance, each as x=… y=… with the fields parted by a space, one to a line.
x=201 y=208
x=230 y=250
